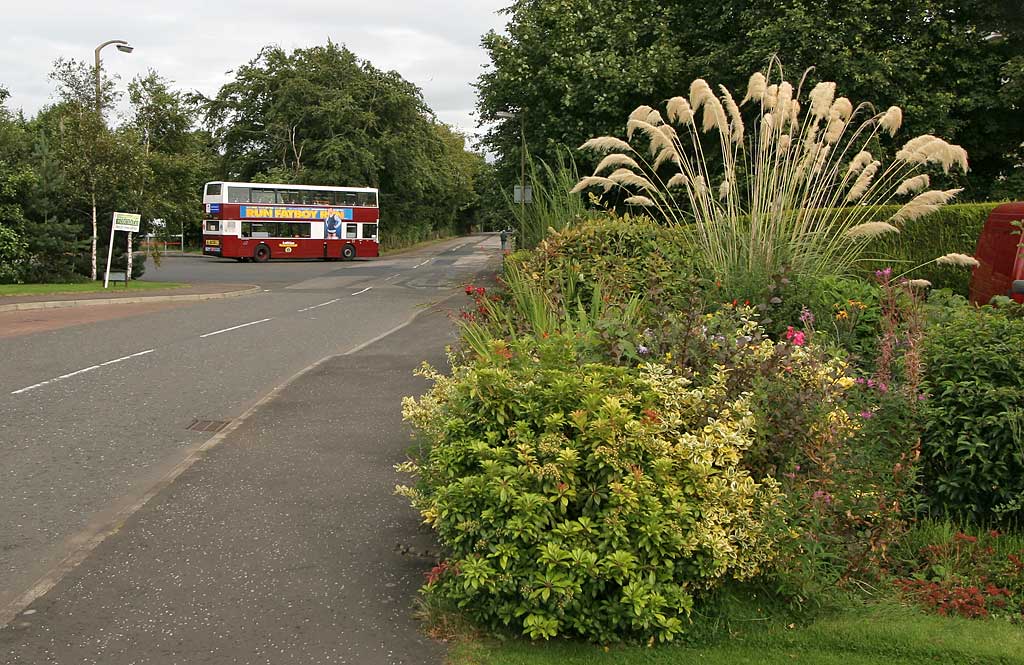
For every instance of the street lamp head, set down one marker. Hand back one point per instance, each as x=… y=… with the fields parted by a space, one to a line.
x=125 y=48
x=506 y=114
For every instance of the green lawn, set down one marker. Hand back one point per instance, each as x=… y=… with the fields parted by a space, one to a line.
x=81 y=287
x=882 y=636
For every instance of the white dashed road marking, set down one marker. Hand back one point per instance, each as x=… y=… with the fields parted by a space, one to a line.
x=363 y=291
x=323 y=304
x=81 y=371
x=244 y=325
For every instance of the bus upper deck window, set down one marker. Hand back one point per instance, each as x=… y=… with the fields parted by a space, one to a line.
x=213 y=189
x=238 y=195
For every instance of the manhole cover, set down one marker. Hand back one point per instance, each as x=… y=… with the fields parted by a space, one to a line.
x=207 y=425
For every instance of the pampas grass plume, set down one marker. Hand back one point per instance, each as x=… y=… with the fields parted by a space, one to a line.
x=592 y=181
x=892 y=120
x=913 y=185
x=700 y=92
x=641 y=112
x=918 y=283
x=676 y=181
x=735 y=119
x=862 y=159
x=616 y=159
x=957 y=260
x=756 y=87
x=821 y=99
x=639 y=201
x=863 y=181
x=922 y=204
x=603 y=144
x=679 y=111
x=869 y=230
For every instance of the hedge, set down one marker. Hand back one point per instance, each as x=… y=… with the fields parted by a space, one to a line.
x=953 y=228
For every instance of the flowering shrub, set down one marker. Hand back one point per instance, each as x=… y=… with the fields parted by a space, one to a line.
x=580 y=499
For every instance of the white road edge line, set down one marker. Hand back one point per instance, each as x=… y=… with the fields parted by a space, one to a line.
x=422 y=264
x=80 y=545
x=244 y=325
x=81 y=371
x=363 y=291
x=323 y=304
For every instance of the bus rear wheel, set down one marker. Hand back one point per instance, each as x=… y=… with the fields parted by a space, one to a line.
x=262 y=254
x=348 y=252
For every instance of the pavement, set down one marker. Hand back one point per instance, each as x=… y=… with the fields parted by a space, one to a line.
x=115 y=295
x=281 y=544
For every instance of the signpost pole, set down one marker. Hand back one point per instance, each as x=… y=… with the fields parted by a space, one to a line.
x=110 y=250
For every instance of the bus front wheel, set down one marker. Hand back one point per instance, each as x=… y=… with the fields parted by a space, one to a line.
x=262 y=254
x=348 y=252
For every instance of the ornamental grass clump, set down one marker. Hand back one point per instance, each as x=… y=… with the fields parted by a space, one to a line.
x=582 y=500
x=769 y=191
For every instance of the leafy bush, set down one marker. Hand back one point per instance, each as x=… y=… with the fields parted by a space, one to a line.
x=973 y=444
x=582 y=499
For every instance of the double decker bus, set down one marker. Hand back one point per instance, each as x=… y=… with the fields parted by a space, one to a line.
x=261 y=221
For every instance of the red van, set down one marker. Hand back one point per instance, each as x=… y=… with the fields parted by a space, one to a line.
x=1000 y=255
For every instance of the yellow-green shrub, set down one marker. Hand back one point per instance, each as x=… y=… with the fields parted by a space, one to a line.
x=582 y=499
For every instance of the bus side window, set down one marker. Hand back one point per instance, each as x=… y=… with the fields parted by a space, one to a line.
x=351 y=230
x=369 y=231
x=263 y=196
x=213 y=189
x=238 y=195
x=246 y=229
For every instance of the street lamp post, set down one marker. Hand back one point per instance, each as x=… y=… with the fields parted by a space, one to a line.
x=124 y=47
x=522 y=156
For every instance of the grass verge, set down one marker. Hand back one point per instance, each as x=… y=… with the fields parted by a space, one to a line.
x=82 y=287
x=889 y=635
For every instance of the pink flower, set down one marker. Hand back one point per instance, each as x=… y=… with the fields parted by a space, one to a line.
x=866 y=415
x=822 y=496
x=797 y=337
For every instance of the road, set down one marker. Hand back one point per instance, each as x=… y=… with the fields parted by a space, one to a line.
x=96 y=413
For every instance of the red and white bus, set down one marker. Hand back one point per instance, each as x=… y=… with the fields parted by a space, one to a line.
x=262 y=221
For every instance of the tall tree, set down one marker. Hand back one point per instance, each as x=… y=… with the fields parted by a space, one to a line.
x=577 y=68
x=323 y=116
x=177 y=157
x=100 y=167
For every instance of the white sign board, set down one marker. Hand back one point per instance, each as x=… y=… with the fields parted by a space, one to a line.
x=517 y=194
x=126 y=221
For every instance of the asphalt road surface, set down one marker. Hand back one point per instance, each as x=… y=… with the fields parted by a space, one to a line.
x=95 y=413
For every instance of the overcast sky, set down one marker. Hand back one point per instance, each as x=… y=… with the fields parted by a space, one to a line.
x=436 y=45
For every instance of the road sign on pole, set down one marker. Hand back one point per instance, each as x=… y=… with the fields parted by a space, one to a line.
x=122 y=221
x=517 y=194
x=126 y=221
